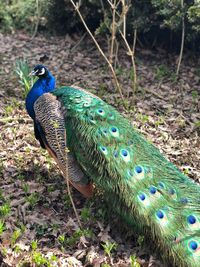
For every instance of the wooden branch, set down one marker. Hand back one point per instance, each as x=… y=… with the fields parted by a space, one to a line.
x=113 y=32
x=131 y=54
x=38 y=20
x=76 y=7
x=182 y=41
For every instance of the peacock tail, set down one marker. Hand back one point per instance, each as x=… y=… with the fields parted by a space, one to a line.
x=103 y=148
x=140 y=184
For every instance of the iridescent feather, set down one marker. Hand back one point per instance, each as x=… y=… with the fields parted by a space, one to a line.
x=140 y=184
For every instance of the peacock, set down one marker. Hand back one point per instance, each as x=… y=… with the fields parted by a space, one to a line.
x=94 y=144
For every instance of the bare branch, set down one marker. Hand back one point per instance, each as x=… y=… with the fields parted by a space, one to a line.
x=76 y=7
x=131 y=54
x=182 y=41
x=38 y=20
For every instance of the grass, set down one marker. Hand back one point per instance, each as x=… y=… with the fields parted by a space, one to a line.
x=2 y=227
x=22 y=70
x=109 y=247
x=33 y=199
x=86 y=214
x=15 y=235
x=5 y=210
x=133 y=261
x=163 y=71
x=74 y=238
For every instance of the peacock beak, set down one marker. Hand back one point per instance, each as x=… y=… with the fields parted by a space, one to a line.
x=33 y=73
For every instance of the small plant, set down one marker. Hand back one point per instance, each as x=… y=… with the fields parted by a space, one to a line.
x=8 y=110
x=161 y=72
x=21 y=177
x=33 y=199
x=143 y=118
x=85 y=214
x=108 y=247
x=4 y=210
x=140 y=240
x=194 y=94
x=41 y=229
x=74 y=238
x=159 y=121
x=16 y=234
x=197 y=124
x=34 y=245
x=17 y=249
x=25 y=188
x=61 y=239
x=133 y=261
x=66 y=201
x=39 y=259
x=22 y=70
x=2 y=227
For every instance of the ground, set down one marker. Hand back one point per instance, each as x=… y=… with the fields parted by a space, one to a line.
x=37 y=223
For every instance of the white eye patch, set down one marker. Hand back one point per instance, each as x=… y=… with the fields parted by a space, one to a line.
x=42 y=72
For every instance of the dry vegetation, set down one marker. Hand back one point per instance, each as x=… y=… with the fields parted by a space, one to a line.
x=37 y=223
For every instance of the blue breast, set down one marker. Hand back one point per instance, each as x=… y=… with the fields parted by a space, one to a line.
x=40 y=87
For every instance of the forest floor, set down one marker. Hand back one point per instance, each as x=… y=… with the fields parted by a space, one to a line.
x=37 y=223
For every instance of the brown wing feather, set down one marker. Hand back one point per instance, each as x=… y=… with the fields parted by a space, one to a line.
x=49 y=114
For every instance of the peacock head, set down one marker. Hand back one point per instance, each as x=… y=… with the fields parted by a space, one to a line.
x=40 y=71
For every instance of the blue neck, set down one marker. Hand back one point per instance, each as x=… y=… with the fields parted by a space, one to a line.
x=41 y=86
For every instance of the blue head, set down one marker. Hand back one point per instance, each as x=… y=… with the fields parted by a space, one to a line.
x=45 y=83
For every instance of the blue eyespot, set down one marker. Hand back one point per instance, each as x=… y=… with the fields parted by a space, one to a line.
x=160 y=214
x=193 y=245
x=172 y=191
x=124 y=152
x=130 y=142
x=104 y=150
x=100 y=110
x=130 y=173
x=184 y=200
x=152 y=190
x=105 y=131
x=138 y=169
x=142 y=197
x=161 y=185
x=110 y=116
x=114 y=129
x=115 y=154
x=191 y=219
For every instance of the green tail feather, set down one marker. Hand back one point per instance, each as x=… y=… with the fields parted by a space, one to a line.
x=146 y=188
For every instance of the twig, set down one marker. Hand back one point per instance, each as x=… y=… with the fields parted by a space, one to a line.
x=116 y=54
x=131 y=54
x=153 y=93
x=102 y=6
x=38 y=20
x=124 y=17
x=66 y=175
x=113 y=36
x=78 y=43
x=182 y=41
x=76 y=7
x=134 y=40
x=69 y=192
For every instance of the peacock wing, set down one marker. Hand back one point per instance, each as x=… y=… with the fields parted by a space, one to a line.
x=50 y=125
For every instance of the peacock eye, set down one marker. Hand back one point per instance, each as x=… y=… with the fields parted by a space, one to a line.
x=42 y=72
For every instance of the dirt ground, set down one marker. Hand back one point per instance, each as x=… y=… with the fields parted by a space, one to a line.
x=37 y=223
